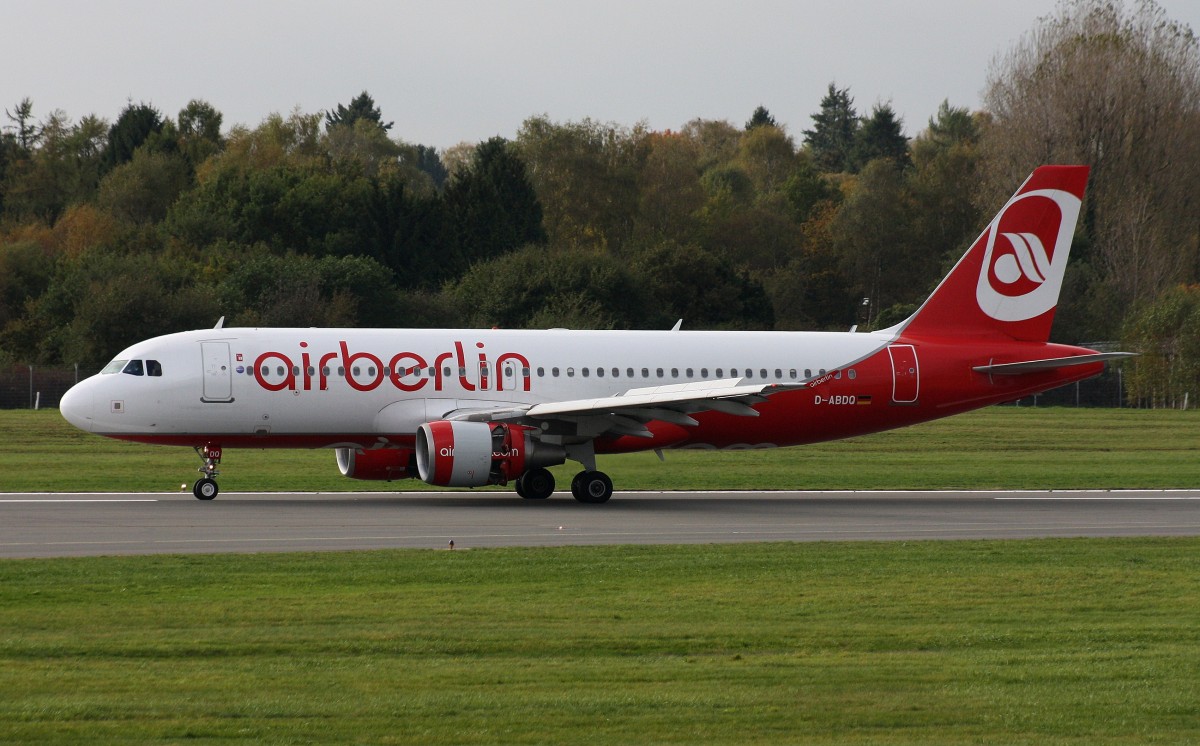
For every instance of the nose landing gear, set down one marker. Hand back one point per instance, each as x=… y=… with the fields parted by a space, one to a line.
x=205 y=487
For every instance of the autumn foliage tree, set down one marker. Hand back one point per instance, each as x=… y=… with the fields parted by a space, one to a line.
x=1117 y=88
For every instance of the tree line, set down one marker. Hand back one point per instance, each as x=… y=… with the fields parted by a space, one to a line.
x=114 y=232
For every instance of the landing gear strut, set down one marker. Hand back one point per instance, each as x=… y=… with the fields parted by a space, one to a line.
x=205 y=487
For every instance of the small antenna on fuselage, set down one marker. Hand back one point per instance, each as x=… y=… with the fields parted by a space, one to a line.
x=220 y=323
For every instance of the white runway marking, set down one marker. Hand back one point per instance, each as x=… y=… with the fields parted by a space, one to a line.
x=82 y=500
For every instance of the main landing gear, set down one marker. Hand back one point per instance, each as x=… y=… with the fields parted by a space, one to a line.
x=587 y=487
x=205 y=487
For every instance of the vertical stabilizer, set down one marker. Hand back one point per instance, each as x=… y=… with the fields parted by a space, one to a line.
x=1007 y=284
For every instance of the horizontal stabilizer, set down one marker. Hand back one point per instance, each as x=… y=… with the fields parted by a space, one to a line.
x=1033 y=366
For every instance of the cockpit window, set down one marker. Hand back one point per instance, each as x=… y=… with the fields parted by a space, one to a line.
x=133 y=368
x=153 y=368
x=114 y=367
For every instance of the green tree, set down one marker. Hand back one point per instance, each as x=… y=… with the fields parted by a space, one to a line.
x=199 y=132
x=768 y=156
x=944 y=182
x=362 y=107
x=669 y=188
x=1167 y=334
x=143 y=190
x=492 y=207
x=806 y=188
x=760 y=118
x=704 y=289
x=537 y=287
x=426 y=160
x=134 y=127
x=586 y=177
x=880 y=135
x=873 y=236
x=27 y=132
x=831 y=139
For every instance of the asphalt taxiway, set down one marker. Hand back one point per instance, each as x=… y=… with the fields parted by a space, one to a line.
x=49 y=525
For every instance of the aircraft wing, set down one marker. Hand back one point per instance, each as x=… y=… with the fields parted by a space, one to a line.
x=1033 y=366
x=628 y=412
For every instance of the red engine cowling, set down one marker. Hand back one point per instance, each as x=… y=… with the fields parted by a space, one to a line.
x=381 y=463
x=472 y=454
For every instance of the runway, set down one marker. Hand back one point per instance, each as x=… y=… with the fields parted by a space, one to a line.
x=61 y=525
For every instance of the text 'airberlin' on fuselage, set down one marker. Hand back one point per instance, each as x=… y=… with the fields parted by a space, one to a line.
x=407 y=371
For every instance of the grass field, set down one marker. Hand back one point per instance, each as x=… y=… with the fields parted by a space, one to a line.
x=1017 y=642
x=999 y=447
x=1012 y=642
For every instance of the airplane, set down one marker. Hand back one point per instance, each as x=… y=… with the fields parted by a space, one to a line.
x=467 y=408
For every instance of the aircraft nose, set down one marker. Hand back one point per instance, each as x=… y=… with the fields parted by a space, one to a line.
x=76 y=406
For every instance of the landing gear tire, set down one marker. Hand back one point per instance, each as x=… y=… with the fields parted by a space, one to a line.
x=535 y=484
x=591 y=487
x=205 y=488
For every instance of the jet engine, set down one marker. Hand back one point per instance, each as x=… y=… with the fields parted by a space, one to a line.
x=471 y=454
x=381 y=463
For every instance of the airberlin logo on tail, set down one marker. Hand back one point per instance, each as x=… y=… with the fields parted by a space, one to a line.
x=1026 y=255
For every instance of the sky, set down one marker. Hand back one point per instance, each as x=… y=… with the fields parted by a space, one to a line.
x=451 y=71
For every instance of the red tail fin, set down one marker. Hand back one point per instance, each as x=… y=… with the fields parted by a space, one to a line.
x=1008 y=282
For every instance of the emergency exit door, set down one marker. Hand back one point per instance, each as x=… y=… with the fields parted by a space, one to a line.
x=218 y=378
x=906 y=374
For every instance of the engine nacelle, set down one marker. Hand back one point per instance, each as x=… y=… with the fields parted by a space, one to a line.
x=380 y=463
x=472 y=454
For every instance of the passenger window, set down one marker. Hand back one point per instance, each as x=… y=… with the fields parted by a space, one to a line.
x=674 y=372
x=554 y=372
x=792 y=374
x=749 y=373
x=852 y=374
x=645 y=372
x=720 y=372
x=704 y=372
x=659 y=371
x=808 y=372
x=585 y=372
x=341 y=370
x=629 y=372
x=570 y=372
x=279 y=371
x=689 y=373
x=599 y=372
x=778 y=373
